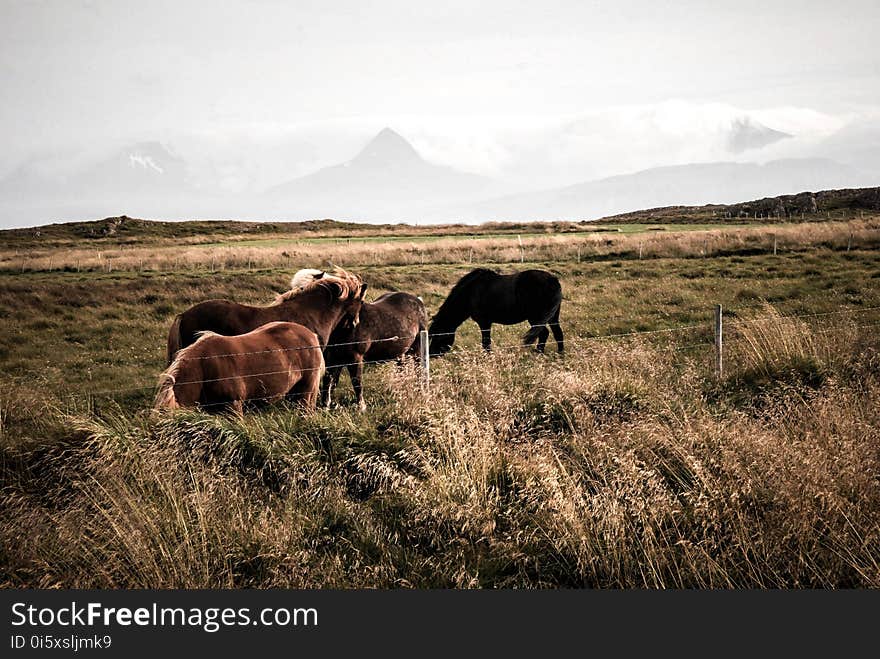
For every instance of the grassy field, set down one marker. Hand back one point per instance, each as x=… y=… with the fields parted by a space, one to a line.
x=627 y=463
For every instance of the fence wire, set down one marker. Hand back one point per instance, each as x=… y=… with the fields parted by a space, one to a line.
x=497 y=347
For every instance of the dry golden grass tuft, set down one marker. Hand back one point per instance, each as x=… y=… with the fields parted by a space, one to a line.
x=445 y=249
x=623 y=464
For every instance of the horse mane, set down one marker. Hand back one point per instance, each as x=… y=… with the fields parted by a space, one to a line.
x=310 y=279
x=455 y=295
x=168 y=378
x=305 y=277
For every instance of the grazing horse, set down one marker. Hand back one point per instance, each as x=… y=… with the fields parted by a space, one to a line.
x=219 y=372
x=400 y=316
x=489 y=297
x=317 y=300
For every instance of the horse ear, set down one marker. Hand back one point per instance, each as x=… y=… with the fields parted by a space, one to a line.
x=363 y=291
x=320 y=274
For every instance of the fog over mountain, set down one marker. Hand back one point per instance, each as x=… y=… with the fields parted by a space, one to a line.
x=746 y=134
x=388 y=179
x=723 y=182
x=394 y=111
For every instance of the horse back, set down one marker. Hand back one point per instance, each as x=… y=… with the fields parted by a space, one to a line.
x=394 y=314
x=218 y=316
x=535 y=284
x=299 y=345
x=513 y=298
x=261 y=364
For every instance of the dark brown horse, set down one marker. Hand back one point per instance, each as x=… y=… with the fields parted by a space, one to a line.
x=389 y=329
x=317 y=300
x=217 y=372
x=489 y=297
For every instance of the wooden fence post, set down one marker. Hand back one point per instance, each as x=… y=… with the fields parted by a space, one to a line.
x=719 y=342
x=774 y=244
x=426 y=360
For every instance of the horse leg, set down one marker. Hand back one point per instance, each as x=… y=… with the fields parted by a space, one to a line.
x=307 y=391
x=327 y=388
x=331 y=379
x=486 y=336
x=310 y=394
x=356 y=373
x=542 y=339
x=534 y=334
x=557 y=333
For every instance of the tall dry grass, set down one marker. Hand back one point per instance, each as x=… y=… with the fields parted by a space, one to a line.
x=625 y=464
x=856 y=234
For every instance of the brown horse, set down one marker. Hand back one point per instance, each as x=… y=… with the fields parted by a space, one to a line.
x=317 y=300
x=397 y=316
x=218 y=372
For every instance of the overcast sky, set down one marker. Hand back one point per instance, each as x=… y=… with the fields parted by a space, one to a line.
x=91 y=75
x=75 y=71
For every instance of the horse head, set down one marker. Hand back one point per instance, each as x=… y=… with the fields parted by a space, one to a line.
x=441 y=339
x=330 y=299
x=350 y=291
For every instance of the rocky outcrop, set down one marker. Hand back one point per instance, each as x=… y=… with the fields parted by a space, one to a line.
x=786 y=206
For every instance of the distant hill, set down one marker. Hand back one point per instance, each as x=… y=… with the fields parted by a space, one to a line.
x=802 y=206
x=124 y=229
x=387 y=178
x=703 y=183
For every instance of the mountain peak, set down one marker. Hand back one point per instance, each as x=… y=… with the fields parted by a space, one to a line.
x=746 y=134
x=388 y=146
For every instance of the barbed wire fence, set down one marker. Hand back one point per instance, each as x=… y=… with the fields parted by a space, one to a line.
x=719 y=333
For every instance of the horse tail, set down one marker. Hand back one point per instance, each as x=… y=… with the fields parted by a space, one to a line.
x=191 y=387
x=165 y=398
x=174 y=340
x=557 y=297
x=532 y=334
x=423 y=316
x=415 y=348
x=322 y=369
x=552 y=319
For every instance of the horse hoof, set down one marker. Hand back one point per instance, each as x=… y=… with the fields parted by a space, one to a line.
x=362 y=407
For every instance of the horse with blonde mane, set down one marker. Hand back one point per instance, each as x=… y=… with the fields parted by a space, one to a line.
x=389 y=328
x=317 y=300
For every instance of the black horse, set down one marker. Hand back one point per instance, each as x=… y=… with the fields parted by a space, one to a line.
x=489 y=297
